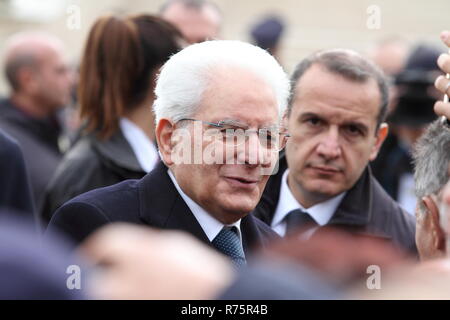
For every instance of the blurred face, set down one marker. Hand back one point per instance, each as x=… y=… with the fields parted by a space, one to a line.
x=53 y=79
x=333 y=134
x=230 y=188
x=196 y=25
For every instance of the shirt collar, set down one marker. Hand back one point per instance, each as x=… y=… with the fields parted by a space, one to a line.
x=142 y=146
x=321 y=212
x=210 y=225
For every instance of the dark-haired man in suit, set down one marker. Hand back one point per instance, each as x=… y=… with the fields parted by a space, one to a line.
x=335 y=121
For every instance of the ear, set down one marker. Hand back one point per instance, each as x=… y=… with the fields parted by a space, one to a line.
x=164 y=132
x=380 y=137
x=27 y=80
x=433 y=211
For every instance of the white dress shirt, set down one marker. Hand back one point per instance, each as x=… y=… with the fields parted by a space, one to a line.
x=321 y=212
x=210 y=225
x=144 y=149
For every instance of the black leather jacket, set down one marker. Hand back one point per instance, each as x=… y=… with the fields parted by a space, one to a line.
x=90 y=164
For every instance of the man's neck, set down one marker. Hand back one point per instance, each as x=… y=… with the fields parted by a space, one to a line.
x=28 y=106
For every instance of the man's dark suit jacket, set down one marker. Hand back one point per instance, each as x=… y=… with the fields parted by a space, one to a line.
x=366 y=209
x=152 y=201
x=15 y=190
x=31 y=269
x=38 y=139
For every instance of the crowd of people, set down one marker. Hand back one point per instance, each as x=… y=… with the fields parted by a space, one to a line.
x=178 y=165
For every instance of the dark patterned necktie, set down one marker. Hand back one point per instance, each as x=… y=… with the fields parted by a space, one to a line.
x=228 y=242
x=299 y=220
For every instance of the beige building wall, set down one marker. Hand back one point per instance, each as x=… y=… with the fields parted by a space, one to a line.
x=311 y=24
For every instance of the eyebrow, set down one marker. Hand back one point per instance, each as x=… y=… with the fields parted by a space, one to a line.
x=308 y=115
x=244 y=125
x=233 y=122
x=361 y=126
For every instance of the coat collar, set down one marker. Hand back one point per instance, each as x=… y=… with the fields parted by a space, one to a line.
x=358 y=208
x=355 y=209
x=162 y=206
x=117 y=150
x=47 y=129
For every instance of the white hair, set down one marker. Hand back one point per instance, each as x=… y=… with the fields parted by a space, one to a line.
x=185 y=76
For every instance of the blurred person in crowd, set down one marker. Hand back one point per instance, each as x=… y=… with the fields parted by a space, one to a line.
x=336 y=124
x=15 y=190
x=117 y=78
x=413 y=112
x=431 y=162
x=141 y=263
x=267 y=34
x=40 y=80
x=390 y=55
x=438 y=237
x=198 y=20
x=132 y=262
x=339 y=258
x=31 y=269
x=424 y=281
x=218 y=99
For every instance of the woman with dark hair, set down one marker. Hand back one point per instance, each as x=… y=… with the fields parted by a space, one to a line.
x=117 y=77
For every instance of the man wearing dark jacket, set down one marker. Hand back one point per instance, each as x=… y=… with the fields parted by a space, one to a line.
x=15 y=192
x=335 y=121
x=215 y=103
x=40 y=82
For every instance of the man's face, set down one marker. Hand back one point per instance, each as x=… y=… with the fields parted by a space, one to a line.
x=54 y=80
x=196 y=24
x=333 y=134
x=233 y=187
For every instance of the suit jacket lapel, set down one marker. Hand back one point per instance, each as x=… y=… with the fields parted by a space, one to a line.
x=356 y=207
x=251 y=236
x=355 y=213
x=161 y=205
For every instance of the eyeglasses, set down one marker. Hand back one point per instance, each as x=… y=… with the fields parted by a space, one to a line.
x=234 y=134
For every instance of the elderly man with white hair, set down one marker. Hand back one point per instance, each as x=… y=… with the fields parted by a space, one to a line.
x=218 y=111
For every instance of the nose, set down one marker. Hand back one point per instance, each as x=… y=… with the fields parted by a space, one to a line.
x=252 y=154
x=329 y=146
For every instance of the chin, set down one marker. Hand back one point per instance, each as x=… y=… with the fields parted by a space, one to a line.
x=325 y=189
x=239 y=205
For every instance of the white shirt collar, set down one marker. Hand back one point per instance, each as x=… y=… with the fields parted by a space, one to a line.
x=210 y=225
x=143 y=148
x=321 y=212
